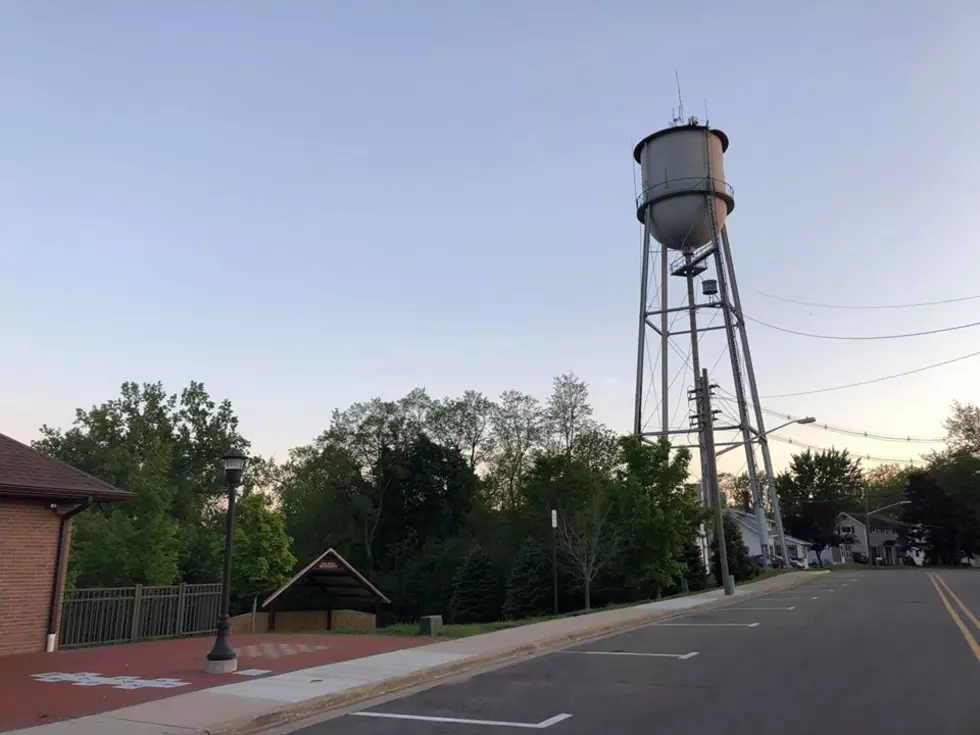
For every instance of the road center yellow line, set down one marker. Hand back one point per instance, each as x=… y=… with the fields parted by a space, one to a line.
x=967 y=635
x=958 y=601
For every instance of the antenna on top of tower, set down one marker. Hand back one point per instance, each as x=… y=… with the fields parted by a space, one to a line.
x=679 y=117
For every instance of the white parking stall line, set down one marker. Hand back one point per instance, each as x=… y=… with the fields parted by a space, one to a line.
x=752 y=609
x=705 y=625
x=461 y=721
x=781 y=599
x=678 y=656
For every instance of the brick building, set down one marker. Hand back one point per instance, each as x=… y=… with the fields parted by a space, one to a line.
x=38 y=498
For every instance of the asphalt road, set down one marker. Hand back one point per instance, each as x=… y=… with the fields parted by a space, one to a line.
x=874 y=652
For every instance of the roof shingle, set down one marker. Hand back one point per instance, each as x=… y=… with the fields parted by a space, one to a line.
x=28 y=473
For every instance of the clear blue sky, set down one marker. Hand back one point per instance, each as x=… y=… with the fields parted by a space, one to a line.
x=305 y=204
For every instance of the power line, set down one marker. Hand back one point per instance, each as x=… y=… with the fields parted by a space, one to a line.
x=846 y=431
x=868 y=337
x=874 y=380
x=875 y=306
x=871 y=457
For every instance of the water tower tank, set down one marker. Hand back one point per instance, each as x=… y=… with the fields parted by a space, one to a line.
x=684 y=187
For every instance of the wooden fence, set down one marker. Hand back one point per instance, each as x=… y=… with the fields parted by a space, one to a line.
x=108 y=615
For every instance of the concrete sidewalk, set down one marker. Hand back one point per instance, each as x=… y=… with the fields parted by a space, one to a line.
x=261 y=703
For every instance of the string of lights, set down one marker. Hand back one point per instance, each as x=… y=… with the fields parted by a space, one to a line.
x=843 y=430
x=724 y=401
x=870 y=457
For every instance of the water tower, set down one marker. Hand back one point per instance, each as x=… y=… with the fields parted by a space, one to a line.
x=687 y=270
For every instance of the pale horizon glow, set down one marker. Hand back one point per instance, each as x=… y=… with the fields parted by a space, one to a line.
x=307 y=207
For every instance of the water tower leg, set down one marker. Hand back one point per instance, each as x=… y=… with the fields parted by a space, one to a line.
x=641 y=339
x=754 y=393
x=743 y=416
x=664 y=344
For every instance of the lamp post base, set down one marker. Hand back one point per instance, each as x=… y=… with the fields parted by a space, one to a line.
x=226 y=666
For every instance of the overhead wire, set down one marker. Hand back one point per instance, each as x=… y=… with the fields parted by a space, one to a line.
x=870 y=306
x=862 y=337
x=844 y=430
x=856 y=455
x=725 y=400
x=874 y=380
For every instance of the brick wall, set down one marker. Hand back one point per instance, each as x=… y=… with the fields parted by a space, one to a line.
x=28 y=544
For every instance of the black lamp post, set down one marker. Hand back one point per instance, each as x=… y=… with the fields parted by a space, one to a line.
x=221 y=659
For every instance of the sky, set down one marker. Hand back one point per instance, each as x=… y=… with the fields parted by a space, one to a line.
x=308 y=204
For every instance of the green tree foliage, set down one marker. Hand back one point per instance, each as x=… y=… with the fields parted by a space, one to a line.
x=694 y=569
x=263 y=560
x=740 y=564
x=816 y=488
x=475 y=589
x=656 y=515
x=529 y=590
x=166 y=449
x=405 y=489
x=942 y=516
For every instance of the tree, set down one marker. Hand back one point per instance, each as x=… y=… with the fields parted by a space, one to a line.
x=693 y=563
x=943 y=514
x=518 y=425
x=529 y=585
x=885 y=484
x=656 y=515
x=963 y=428
x=475 y=589
x=567 y=415
x=465 y=425
x=815 y=490
x=167 y=449
x=740 y=564
x=263 y=560
x=587 y=538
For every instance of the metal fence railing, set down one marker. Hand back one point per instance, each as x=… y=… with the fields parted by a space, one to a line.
x=106 y=615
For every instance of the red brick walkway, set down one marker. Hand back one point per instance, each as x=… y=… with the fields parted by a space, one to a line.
x=156 y=670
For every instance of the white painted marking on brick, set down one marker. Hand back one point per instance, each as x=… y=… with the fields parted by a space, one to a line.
x=461 y=721
x=287 y=650
x=679 y=656
x=253 y=672
x=89 y=679
x=303 y=648
x=252 y=651
x=320 y=648
x=270 y=651
x=706 y=625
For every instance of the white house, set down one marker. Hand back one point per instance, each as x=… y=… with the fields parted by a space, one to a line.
x=797 y=548
x=885 y=540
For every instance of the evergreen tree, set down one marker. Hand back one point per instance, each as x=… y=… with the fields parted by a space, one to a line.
x=694 y=571
x=740 y=564
x=529 y=592
x=475 y=589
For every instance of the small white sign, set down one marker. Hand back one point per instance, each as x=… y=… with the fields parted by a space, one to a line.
x=554 y=519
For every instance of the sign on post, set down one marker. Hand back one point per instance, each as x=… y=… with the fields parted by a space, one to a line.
x=554 y=519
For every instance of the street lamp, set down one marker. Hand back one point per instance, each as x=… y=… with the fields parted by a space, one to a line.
x=760 y=515
x=767 y=432
x=221 y=659
x=867 y=522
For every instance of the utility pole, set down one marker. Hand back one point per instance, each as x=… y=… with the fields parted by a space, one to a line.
x=706 y=427
x=867 y=528
x=554 y=558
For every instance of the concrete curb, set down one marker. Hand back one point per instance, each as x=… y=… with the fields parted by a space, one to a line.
x=301 y=710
